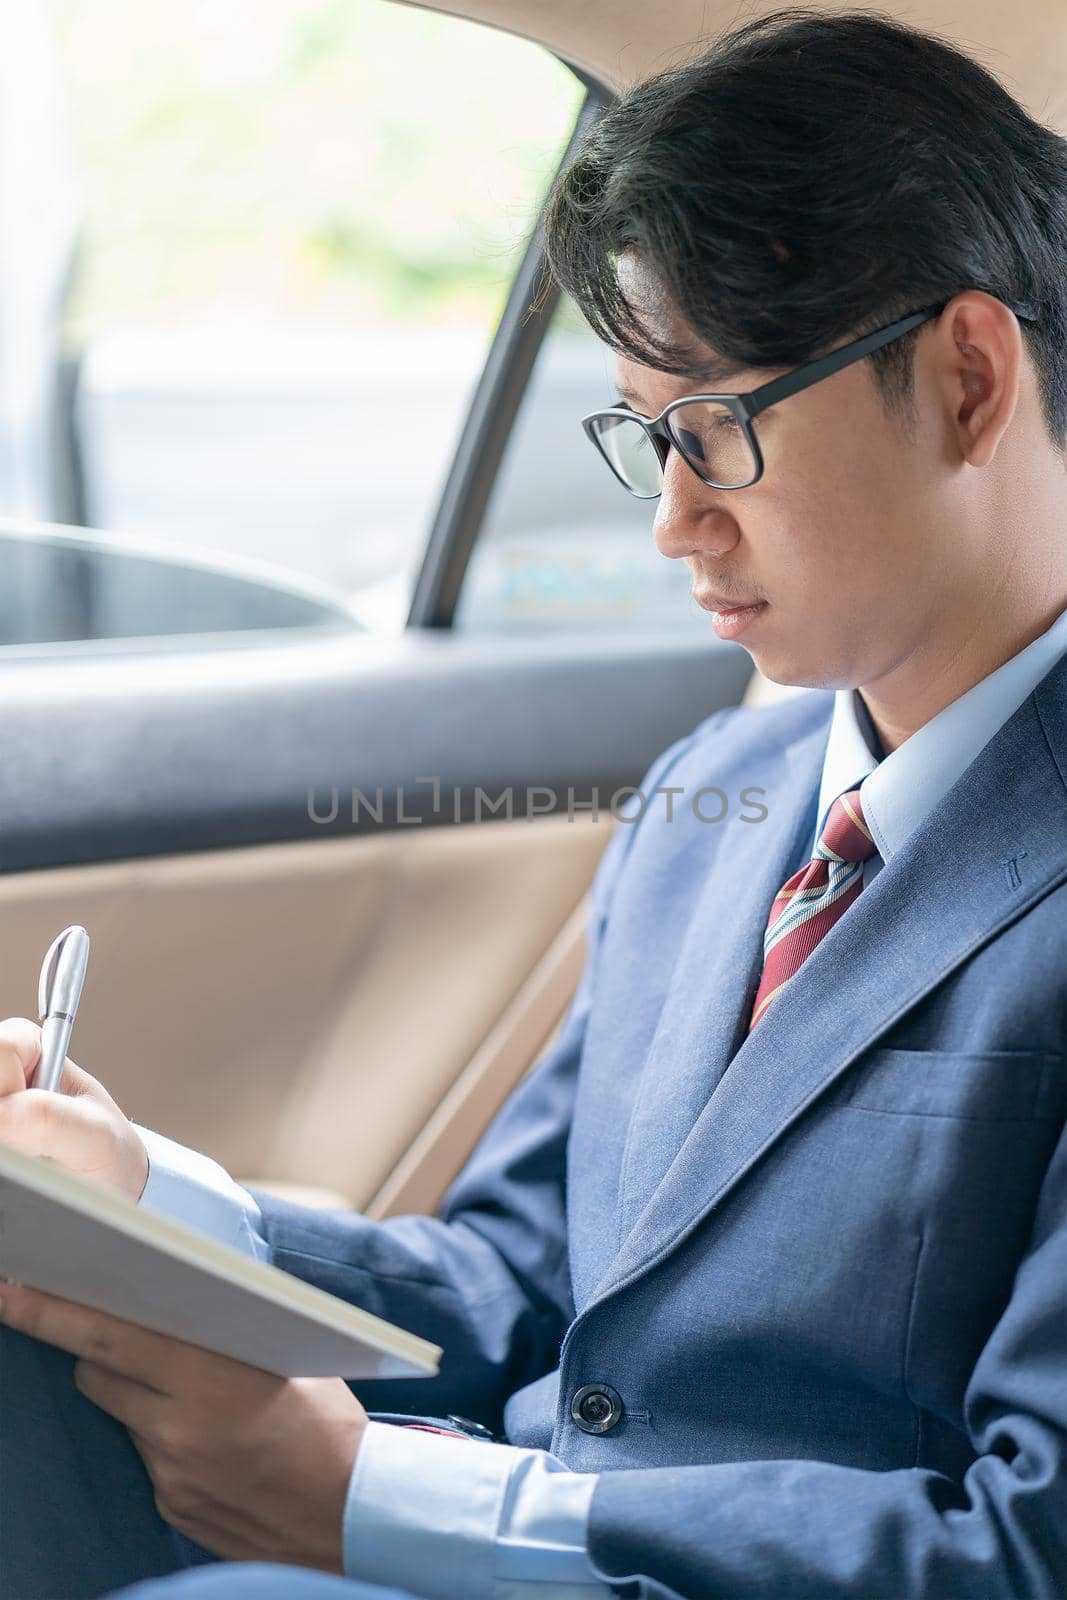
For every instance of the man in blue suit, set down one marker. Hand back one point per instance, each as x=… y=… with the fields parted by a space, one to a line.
x=759 y=1279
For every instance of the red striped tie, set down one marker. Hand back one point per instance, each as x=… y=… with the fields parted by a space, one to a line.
x=810 y=902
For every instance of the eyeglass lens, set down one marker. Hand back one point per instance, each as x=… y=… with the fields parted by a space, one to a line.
x=707 y=434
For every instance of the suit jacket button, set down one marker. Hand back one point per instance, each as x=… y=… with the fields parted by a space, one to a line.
x=596 y=1407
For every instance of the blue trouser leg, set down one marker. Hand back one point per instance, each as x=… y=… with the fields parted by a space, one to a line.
x=78 y=1516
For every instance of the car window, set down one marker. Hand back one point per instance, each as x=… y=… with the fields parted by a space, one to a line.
x=563 y=546
x=294 y=227
x=63 y=586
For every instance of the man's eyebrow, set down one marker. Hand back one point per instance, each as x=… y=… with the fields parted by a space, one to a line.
x=702 y=380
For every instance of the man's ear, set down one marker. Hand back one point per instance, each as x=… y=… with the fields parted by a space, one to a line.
x=980 y=353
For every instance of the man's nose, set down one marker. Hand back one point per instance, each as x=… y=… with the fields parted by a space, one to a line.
x=691 y=519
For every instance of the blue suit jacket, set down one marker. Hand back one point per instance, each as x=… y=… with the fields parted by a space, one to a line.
x=824 y=1264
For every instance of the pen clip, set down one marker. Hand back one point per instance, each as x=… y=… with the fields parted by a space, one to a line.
x=49 y=967
x=66 y=976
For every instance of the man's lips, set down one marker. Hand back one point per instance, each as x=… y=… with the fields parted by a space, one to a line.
x=713 y=602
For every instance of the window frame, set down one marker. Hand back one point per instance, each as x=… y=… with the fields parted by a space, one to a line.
x=494 y=406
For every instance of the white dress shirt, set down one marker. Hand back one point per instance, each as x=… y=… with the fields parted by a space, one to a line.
x=902 y=788
x=462 y=1519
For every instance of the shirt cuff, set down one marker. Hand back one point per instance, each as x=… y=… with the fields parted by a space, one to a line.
x=194 y=1189
x=443 y=1516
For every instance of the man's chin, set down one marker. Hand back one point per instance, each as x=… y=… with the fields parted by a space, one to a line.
x=784 y=674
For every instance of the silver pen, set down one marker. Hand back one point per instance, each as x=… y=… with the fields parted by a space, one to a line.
x=58 y=993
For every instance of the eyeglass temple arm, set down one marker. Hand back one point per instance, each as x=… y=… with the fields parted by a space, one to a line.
x=769 y=394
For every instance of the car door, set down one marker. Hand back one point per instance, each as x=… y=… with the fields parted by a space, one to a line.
x=334 y=869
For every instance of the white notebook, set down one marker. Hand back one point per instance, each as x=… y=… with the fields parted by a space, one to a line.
x=76 y=1239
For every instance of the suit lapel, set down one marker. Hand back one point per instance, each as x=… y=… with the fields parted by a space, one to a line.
x=936 y=901
x=718 y=969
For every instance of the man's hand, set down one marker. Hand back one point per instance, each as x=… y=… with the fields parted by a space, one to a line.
x=251 y=1466
x=80 y=1127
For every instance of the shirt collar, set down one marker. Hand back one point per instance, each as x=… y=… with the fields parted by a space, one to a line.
x=901 y=789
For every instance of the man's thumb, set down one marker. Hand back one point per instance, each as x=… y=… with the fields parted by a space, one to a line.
x=20 y=1050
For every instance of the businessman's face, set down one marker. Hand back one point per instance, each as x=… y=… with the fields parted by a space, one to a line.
x=865 y=547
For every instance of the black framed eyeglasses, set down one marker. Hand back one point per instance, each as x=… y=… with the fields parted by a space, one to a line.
x=713 y=433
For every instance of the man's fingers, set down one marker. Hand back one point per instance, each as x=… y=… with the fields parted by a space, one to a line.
x=124 y=1347
x=80 y=1128
x=128 y=1402
x=40 y=1123
x=20 y=1056
x=20 y=1050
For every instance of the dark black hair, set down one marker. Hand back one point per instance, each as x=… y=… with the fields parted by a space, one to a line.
x=808 y=179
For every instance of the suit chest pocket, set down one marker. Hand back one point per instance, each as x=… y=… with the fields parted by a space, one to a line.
x=979 y=1086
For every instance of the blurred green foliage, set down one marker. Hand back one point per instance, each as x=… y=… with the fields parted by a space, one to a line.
x=342 y=159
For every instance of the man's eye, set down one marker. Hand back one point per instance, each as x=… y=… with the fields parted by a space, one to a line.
x=691 y=442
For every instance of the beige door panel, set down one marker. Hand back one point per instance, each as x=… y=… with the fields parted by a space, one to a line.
x=528 y=1027
x=342 y=1015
